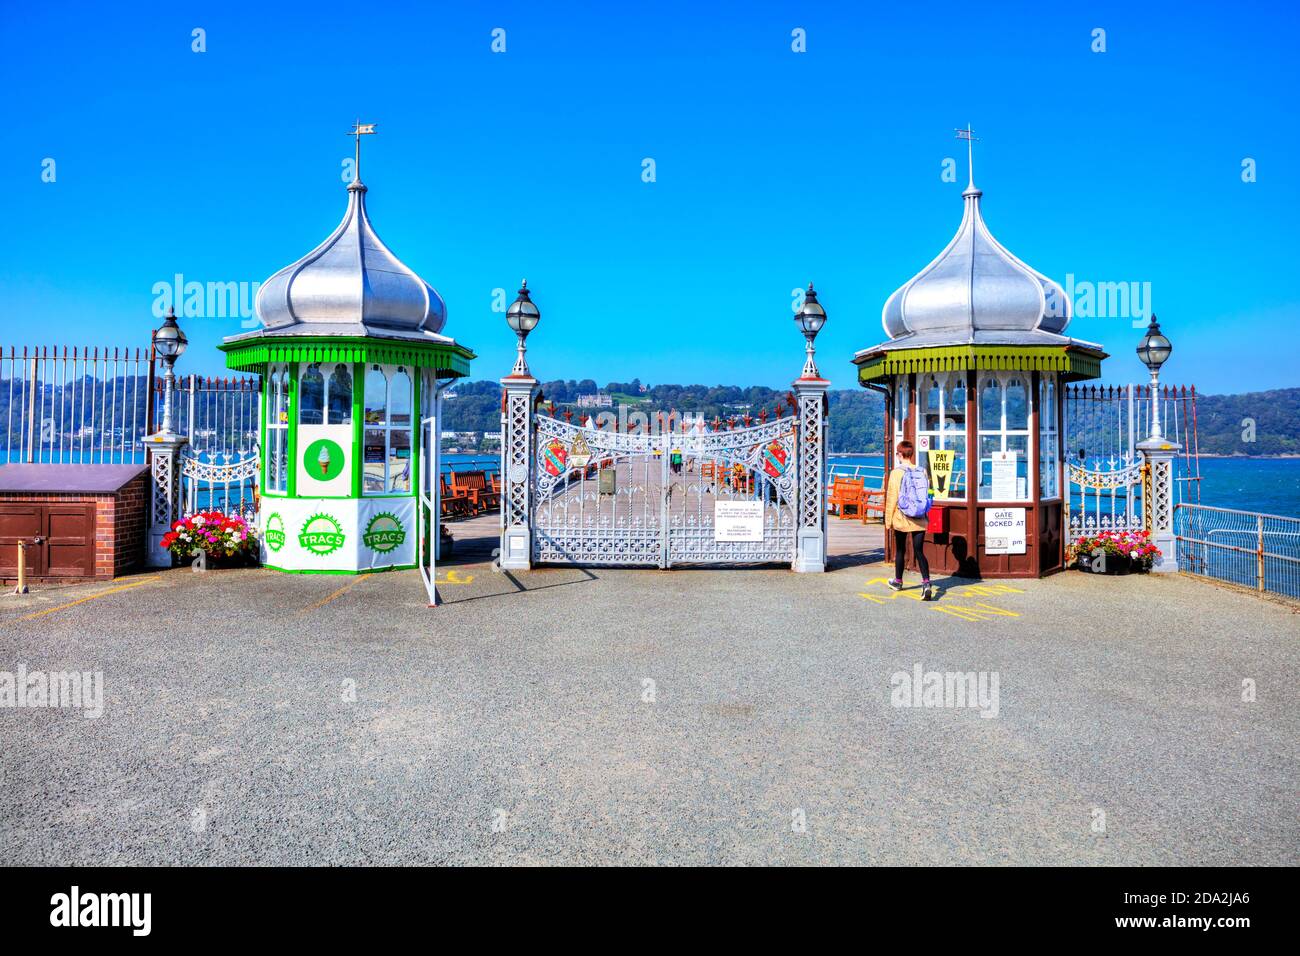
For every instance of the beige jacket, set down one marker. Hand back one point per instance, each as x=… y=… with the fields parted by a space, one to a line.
x=895 y=519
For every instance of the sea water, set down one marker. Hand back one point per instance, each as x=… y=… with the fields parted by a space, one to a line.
x=1265 y=485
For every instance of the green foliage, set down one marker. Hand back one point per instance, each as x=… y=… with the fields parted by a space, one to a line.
x=1223 y=423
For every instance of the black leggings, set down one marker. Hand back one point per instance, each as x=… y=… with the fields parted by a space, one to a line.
x=918 y=549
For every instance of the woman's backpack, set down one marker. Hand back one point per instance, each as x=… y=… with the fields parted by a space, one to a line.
x=914 y=494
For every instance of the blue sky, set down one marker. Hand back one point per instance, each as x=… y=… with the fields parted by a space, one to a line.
x=773 y=168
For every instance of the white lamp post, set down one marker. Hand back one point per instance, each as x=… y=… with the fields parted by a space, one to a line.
x=517 y=442
x=1159 y=452
x=164 y=446
x=1154 y=350
x=810 y=398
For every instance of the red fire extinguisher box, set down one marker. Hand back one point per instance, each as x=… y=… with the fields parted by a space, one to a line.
x=938 y=521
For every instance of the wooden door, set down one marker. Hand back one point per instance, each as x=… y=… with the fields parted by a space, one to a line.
x=69 y=540
x=26 y=522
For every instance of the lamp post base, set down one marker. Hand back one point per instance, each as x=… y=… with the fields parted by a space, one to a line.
x=1159 y=506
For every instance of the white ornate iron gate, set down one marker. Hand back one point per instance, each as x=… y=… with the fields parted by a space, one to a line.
x=613 y=498
x=226 y=482
x=1128 y=467
x=681 y=494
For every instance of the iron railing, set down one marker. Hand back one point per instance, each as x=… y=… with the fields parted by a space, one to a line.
x=95 y=406
x=1103 y=475
x=1255 y=550
x=488 y=464
x=873 y=476
x=220 y=416
x=74 y=405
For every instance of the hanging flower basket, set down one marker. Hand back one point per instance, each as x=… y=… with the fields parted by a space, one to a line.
x=221 y=540
x=1114 y=552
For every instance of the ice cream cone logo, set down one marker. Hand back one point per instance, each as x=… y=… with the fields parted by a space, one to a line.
x=323 y=460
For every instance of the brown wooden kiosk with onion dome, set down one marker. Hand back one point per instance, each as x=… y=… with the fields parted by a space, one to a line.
x=972 y=372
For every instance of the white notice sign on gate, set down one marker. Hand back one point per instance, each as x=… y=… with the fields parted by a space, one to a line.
x=737 y=520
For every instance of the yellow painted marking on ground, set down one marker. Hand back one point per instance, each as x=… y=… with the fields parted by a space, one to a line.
x=91 y=597
x=974 y=612
x=966 y=612
x=985 y=590
x=330 y=597
x=891 y=596
x=455 y=577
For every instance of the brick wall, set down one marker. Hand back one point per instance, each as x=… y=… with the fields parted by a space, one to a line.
x=121 y=523
x=132 y=518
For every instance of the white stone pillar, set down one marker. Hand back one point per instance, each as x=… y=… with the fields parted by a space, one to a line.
x=1158 y=504
x=810 y=544
x=164 y=497
x=516 y=472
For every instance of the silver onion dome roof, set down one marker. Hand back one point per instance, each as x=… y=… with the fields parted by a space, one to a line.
x=351 y=284
x=976 y=292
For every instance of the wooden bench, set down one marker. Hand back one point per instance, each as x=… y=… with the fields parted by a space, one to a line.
x=873 y=504
x=475 y=485
x=847 y=494
x=740 y=479
x=454 y=504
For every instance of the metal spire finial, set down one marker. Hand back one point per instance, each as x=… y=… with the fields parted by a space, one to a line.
x=969 y=136
x=360 y=129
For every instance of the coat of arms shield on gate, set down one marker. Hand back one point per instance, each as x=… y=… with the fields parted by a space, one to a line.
x=554 y=458
x=775 y=459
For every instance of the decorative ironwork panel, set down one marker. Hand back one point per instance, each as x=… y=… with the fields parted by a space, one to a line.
x=1107 y=497
x=222 y=481
x=1162 y=495
x=812 y=442
x=515 y=451
x=163 y=510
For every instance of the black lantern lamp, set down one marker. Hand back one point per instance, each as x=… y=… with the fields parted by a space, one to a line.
x=168 y=344
x=522 y=316
x=810 y=318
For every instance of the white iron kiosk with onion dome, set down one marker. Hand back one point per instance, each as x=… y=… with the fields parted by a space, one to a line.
x=352 y=358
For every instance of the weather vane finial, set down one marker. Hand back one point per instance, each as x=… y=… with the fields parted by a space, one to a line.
x=969 y=136
x=360 y=129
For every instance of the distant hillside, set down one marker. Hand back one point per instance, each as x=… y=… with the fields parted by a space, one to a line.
x=1225 y=422
x=856 y=415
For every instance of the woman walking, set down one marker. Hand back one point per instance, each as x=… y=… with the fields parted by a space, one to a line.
x=907 y=502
